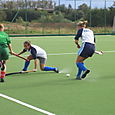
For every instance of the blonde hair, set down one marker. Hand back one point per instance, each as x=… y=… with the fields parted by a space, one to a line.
x=1 y=26
x=82 y=23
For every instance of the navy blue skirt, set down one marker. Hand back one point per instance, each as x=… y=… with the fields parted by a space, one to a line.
x=87 y=50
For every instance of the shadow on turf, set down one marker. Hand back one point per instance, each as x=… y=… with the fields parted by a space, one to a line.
x=36 y=83
x=31 y=73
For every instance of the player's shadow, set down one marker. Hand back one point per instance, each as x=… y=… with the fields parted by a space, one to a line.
x=51 y=82
x=37 y=73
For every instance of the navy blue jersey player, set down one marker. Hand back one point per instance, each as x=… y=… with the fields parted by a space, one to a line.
x=86 y=50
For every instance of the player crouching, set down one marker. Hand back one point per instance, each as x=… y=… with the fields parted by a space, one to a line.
x=36 y=53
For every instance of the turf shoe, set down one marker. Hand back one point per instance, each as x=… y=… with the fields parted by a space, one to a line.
x=56 y=70
x=78 y=78
x=2 y=80
x=23 y=71
x=85 y=74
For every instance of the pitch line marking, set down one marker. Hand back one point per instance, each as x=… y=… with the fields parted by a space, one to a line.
x=26 y=105
x=54 y=54
x=75 y=53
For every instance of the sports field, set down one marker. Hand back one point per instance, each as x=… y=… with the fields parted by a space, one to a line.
x=57 y=93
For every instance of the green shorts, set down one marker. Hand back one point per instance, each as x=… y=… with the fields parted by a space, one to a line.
x=4 y=54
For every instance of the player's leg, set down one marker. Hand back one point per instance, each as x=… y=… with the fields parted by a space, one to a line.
x=4 y=57
x=3 y=71
x=43 y=67
x=80 y=65
x=27 y=63
x=88 y=51
x=1 y=79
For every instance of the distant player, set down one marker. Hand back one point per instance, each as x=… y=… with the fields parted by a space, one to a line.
x=87 y=49
x=36 y=53
x=5 y=46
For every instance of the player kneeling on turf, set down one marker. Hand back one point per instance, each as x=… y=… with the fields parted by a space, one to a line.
x=36 y=53
x=5 y=46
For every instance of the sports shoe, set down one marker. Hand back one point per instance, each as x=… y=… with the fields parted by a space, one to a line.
x=23 y=71
x=2 y=80
x=85 y=74
x=56 y=70
x=78 y=78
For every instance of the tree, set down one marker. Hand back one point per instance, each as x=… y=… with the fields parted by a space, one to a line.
x=84 y=9
x=17 y=4
x=2 y=16
x=62 y=8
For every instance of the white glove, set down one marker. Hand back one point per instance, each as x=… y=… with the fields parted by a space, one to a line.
x=34 y=70
x=99 y=52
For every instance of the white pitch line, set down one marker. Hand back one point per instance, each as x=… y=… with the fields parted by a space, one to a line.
x=58 y=54
x=109 y=51
x=53 y=54
x=26 y=105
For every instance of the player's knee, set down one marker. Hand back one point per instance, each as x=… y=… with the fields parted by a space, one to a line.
x=3 y=67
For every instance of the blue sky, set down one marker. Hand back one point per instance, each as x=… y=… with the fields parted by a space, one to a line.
x=95 y=3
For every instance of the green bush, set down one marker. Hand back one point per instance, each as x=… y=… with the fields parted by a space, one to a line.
x=20 y=20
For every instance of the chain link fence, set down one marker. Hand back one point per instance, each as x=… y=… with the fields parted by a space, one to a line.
x=46 y=17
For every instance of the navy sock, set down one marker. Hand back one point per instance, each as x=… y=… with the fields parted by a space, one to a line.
x=81 y=66
x=49 y=69
x=26 y=65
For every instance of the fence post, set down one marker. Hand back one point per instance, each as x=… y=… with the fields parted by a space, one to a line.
x=105 y=15
x=90 y=20
x=26 y=17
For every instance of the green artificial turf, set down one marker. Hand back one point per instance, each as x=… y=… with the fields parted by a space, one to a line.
x=57 y=93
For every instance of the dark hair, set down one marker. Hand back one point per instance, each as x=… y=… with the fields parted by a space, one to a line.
x=27 y=42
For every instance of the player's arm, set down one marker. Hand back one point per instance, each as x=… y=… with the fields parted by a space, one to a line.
x=79 y=34
x=77 y=43
x=9 y=45
x=34 y=54
x=10 y=48
x=24 y=50
x=35 y=64
x=94 y=39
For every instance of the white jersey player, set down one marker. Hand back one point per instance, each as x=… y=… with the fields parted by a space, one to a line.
x=86 y=50
x=36 y=53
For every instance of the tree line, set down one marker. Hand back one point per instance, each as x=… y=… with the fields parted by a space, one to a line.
x=48 y=12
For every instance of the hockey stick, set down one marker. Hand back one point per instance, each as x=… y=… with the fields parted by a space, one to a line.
x=19 y=56
x=21 y=72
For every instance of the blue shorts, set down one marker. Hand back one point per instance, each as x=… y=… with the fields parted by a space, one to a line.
x=87 y=50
